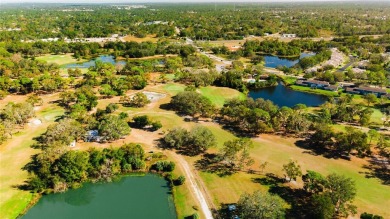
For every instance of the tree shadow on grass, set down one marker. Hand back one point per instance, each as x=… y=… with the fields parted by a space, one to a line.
x=316 y=150
x=378 y=168
x=211 y=163
x=298 y=199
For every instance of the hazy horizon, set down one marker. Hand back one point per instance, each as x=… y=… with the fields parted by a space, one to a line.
x=174 y=1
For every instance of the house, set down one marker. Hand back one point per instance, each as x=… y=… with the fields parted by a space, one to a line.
x=351 y=90
x=289 y=35
x=93 y=136
x=332 y=88
x=362 y=90
x=313 y=83
x=317 y=84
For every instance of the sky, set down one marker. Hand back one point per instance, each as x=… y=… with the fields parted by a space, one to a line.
x=151 y=1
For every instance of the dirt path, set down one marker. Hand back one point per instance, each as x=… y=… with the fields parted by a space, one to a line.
x=196 y=190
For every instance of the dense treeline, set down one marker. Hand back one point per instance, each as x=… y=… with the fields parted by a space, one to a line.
x=60 y=171
x=88 y=49
x=251 y=117
x=198 y=21
x=280 y=48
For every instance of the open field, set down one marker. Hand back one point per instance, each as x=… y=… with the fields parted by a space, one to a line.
x=372 y=196
x=130 y=38
x=59 y=59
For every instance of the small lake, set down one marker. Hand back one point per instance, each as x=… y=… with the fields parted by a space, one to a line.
x=141 y=197
x=275 y=61
x=103 y=58
x=284 y=96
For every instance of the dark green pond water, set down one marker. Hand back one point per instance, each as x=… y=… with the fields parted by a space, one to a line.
x=138 y=197
x=284 y=96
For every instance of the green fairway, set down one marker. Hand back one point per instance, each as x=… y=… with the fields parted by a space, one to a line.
x=15 y=153
x=372 y=195
x=218 y=95
x=173 y=88
x=376 y=117
x=59 y=59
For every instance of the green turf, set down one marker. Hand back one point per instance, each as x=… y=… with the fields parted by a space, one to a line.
x=174 y=89
x=372 y=195
x=314 y=91
x=218 y=95
x=59 y=59
x=376 y=117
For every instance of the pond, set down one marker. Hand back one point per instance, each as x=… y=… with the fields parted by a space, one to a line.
x=143 y=197
x=275 y=61
x=103 y=58
x=284 y=96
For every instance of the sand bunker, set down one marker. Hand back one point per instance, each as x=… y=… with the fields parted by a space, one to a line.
x=153 y=96
x=35 y=122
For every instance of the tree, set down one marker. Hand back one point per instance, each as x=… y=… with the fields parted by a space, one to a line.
x=313 y=182
x=260 y=206
x=138 y=100
x=3 y=133
x=62 y=133
x=112 y=127
x=72 y=166
x=236 y=153
x=156 y=125
x=176 y=138
x=373 y=134
x=323 y=207
x=191 y=142
x=111 y=107
x=200 y=139
x=370 y=98
x=34 y=100
x=85 y=96
x=192 y=103
x=180 y=180
x=352 y=139
x=107 y=91
x=293 y=170
x=342 y=191
x=141 y=121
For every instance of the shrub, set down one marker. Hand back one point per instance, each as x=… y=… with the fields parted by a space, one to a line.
x=179 y=181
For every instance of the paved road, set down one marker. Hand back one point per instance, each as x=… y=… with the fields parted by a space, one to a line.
x=221 y=62
x=351 y=61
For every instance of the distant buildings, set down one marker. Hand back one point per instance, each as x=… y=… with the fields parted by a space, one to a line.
x=317 y=84
x=366 y=90
x=349 y=88
x=289 y=35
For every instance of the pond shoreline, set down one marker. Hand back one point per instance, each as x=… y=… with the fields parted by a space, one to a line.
x=37 y=196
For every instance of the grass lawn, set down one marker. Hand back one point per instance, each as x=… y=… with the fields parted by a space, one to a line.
x=173 y=88
x=59 y=59
x=376 y=117
x=288 y=80
x=218 y=95
x=372 y=195
x=314 y=91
